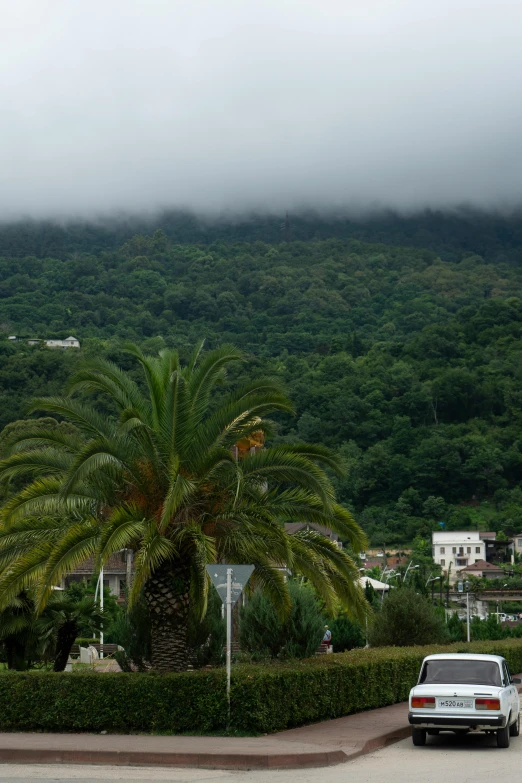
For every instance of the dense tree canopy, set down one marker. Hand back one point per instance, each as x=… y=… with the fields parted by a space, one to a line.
x=405 y=360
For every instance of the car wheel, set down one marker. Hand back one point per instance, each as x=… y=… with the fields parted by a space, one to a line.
x=503 y=737
x=418 y=736
x=514 y=729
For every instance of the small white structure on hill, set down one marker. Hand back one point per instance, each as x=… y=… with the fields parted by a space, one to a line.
x=70 y=342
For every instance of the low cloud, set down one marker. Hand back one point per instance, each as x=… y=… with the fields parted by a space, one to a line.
x=212 y=105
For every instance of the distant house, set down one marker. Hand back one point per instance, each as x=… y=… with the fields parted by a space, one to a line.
x=378 y=586
x=116 y=571
x=482 y=569
x=69 y=342
x=458 y=549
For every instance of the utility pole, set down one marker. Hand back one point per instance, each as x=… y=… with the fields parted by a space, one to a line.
x=467 y=611
x=99 y=594
x=129 y=570
x=229 y=637
x=101 y=607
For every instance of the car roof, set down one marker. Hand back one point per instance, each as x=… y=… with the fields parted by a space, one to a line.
x=464 y=657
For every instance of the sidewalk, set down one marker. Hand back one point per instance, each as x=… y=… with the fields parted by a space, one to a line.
x=317 y=745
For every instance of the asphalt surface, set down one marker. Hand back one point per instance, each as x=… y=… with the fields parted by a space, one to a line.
x=468 y=759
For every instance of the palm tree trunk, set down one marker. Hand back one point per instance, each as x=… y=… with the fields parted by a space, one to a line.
x=15 y=654
x=167 y=593
x=67 y=633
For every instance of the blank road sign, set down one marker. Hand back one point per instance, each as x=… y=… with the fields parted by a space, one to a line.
x=240 y=576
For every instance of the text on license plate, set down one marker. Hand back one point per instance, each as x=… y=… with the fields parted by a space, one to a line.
x=456 y=704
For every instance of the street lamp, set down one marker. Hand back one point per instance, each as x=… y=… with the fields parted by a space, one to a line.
x=410 y=567
x=433 y=580
x=503 y=586
x=99 y=591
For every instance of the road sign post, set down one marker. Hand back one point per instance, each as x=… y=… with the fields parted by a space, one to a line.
x=229 y=637
x=229 y=581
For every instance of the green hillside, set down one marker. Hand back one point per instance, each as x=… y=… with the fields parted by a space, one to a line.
x=406 y=363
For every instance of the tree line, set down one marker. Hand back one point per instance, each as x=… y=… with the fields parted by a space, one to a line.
x=403 y=361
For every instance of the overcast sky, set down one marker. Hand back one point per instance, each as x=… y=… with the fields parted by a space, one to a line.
x=237 y=104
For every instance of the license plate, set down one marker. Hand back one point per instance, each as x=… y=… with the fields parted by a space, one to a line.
x=456 y=704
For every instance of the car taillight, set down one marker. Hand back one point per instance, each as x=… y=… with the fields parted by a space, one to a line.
x=419 y=702
x=487 y=704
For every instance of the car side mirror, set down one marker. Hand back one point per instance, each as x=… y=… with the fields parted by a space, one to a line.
x=516 y=680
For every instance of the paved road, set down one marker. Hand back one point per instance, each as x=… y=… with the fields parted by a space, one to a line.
x=471 y=759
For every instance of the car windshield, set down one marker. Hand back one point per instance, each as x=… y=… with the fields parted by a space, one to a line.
x=452 y=672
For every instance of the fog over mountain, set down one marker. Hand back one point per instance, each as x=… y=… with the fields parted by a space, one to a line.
x=138 y=105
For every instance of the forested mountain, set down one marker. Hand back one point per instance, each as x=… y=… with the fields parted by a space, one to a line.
x=452 y=235
x=405 y=359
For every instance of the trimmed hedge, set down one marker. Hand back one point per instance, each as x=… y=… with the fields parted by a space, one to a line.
x=264 y=698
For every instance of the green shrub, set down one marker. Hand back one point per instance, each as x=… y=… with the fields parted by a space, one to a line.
x=264 y=698
x=456 y=628
x=406 y=619
x=207 y=637
x=490 y=628
x=264 y=635
x=346 y=634
x=131 y=630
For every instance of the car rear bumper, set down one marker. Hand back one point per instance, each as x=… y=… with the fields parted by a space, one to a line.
x=457 y=722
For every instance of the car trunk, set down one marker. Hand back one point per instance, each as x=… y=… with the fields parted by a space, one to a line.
x=457 y=699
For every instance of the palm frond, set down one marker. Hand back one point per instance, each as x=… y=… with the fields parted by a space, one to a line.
x=179 y=492
x=124 y=526
x=155 y=549
x=281 y=466
x=85 y=418
x=105 y=376
x=44 y=497
x=79 y=543
x=46 y=461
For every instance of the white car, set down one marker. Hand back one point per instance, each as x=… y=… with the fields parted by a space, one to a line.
x=462 y=693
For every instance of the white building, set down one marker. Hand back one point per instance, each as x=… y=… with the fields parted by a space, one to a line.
x=70 y=342
x=457 y=548
x=379 y=587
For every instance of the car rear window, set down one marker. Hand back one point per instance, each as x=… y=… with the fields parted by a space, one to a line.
x=460 y=672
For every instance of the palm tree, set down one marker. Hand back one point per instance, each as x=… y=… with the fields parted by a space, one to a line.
x=160 y=477
x=67 y=616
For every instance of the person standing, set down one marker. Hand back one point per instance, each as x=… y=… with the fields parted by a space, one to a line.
x=327 y=638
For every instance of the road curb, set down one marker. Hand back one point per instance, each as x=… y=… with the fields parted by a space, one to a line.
x=243 y=761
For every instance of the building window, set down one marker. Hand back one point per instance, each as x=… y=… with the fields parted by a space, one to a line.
x=443 y=550
x=477 y=560
x=477 y=550
x=520 y=542
x=461 y=562
x=454 y=550
x=443 y=562
x=469 y=550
